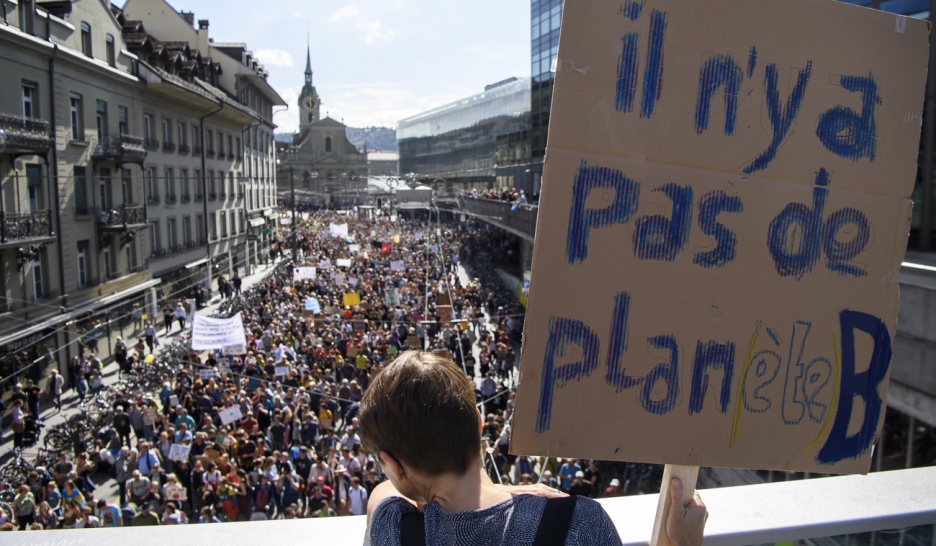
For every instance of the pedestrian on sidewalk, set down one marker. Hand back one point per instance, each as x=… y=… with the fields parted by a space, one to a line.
x=150 y=333
x=56 y=382
x=167 y=317
x=120 y=355
x=181 y=315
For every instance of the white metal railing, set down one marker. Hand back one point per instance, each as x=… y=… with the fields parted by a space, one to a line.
x=751 y=514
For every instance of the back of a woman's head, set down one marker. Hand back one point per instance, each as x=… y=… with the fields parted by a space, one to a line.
x=421 y=409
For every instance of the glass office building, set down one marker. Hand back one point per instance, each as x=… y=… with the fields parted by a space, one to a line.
x=462 y=141
x=545 y=19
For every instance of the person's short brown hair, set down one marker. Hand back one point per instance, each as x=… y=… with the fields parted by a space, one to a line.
x=421 y=409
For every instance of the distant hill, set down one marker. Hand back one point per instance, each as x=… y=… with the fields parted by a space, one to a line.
x=380 y=138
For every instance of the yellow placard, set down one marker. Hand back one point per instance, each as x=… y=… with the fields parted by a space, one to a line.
x=352 y=299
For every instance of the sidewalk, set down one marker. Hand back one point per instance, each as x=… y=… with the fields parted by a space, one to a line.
x=51 y=416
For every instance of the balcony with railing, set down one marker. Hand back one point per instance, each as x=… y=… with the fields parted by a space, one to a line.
x=517 y=218
x=209 y=153
x=151 y=144
x=24 y=134
x=26 y=228
x=123 y=218
x=119 y=149
x=152 y=198
x=184 y=148
x=168 y=146
x=196 y=150
x=220 y=155
x=185 y=197
x=212 y=196
x=170 y=199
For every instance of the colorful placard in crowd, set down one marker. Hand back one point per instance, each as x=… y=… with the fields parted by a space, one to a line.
x=179 y=452
x=338 y=230
x=303 y=273
x=343 y=262
x=351 y=299
x=717 y=258
x=397 y=265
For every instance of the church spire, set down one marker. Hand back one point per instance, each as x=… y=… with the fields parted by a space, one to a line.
x=308 y=70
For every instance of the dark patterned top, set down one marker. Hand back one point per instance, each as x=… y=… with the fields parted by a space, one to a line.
x=513 y=521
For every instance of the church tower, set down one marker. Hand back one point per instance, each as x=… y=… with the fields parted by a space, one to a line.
x=309 y=101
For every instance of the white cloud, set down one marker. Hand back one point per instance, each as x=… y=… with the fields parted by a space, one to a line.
x=379 y=104
x=371 y=28
x=347 y=12
x=275 y=57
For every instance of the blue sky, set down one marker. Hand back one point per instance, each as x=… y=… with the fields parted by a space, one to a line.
x=376 y=62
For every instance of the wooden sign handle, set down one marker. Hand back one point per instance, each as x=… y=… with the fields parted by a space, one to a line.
x=688 y=475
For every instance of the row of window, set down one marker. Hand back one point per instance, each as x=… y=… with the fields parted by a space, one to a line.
x=229 y=224
x=108 y=259
x=185 y=136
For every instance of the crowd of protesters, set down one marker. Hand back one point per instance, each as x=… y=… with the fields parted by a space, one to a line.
x=295 y=450
x=511 y=195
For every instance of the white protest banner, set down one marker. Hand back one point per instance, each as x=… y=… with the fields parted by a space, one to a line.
x=302 y=273
x=285 y=221
x=312 y=304
x=393 y=217
x=215 y=333
x=434 y=249
x=324 y=264
x=338 y=230
x=229 y=415
x=173 y=401
x=354 y=249
x=234 y=350
x=373 y=232
x=343 y=262
x=150 y=416
x=281 y=371
x=207 y=373
x=339 y=279
x=397 y=265
x=717 y=258
x=179 y=452
x=305 y=216
x=352 y=281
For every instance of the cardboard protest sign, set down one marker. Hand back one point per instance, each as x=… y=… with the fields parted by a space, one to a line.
x=343 y=262
x=173 y=401
x=301 y=273
x=397 y=265
x=412 y=341
x=176 y=492
x=444 y=312
x=279 y=371
x=207 y=373
x=352 y=351
x=351 y=299
x=312 y=305
x=717 y=257
x=324 y=264
x=149 y=416
x=442 y=298
x=178 y=452
x=229 y=415
x=352 y=281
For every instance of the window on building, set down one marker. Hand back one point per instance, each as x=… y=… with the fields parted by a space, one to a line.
x=230 y=147
x=34 y=187
x=165 y=131
x=195 y=142
x=220 y=144
x=101 y=117
x=126 y=186
x=83 y=247
x=182 y=134
x=233 y=219
x=214 y=226
x=223 y=224
x=30 y=100
x=26 y=15
x=327 y=144
x=209 y=141
x=170 y=189
x=211 y=183
x=75 y=117
x=38 y=287
x=238 y=144
x=111 y=50
x=197 y=182
x=148 y=129
x=199 y=220
x=154 y=237
x=81 y=191
x=170 y=234
x=183 y=183
x=123 y=120
x=86 y=38
x=129 y=254
x=149 y=176
x=186 y=231
x=103 y=187
x=108 y=270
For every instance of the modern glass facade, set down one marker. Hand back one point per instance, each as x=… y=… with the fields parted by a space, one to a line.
x=545 y=17
x=465 y=139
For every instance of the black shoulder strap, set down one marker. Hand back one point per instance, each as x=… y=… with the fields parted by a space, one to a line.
x=413 y=529
x=557 y=519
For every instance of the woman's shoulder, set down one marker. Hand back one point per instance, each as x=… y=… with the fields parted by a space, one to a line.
x=385 y=520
